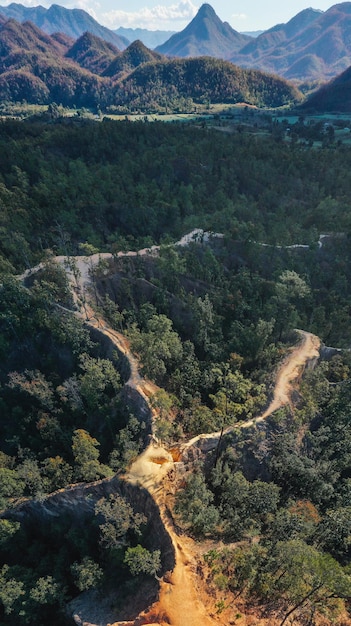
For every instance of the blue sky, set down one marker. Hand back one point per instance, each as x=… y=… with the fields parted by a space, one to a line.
x=176 y=14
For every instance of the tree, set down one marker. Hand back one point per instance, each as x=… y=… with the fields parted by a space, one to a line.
x=86 y=455
x=29 y=472
x=7 y=530
x=84 y=447
x=171 y=265
x=194 y=505
x=308 y=577
x=142 y=561
x=289 y=290
x=112 y=313
x=164 y=404
x=205 y=318
x=244 y=506
x=87 y=574
x=99 y=383
x=300 y=580
x=11 y=590
x=46 y=590
x=334 y=531
x=187 y=376
x=11 y=484
x=200 y=419
x=34 y=384
x=119 y=520
x=237 y=397
x=129 y=442
x=160 y=347
x=57 y=472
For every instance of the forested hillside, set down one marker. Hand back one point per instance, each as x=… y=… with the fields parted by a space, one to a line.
x=209 y=323
x=41 y=69
x=130 y=184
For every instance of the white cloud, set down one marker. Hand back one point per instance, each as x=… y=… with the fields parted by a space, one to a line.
x=29 y=3
x=158 y=17
x=239 y=16
x=86 y=5
x=90 y=6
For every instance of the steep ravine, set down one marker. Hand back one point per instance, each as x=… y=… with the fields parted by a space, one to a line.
x=179 y=602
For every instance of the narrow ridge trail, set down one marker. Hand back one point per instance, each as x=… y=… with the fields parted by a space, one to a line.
x=179 y=602
x=288 y=374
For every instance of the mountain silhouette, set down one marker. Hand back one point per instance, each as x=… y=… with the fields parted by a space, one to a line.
x=205 y=35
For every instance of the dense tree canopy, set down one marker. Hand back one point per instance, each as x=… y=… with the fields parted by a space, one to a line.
x=210 y=322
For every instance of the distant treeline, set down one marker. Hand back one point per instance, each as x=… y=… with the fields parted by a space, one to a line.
x=129 y=184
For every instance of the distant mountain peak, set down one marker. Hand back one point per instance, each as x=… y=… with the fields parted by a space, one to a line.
x=136 y=54
x=313 y=45
x=72 y=22
x=137 y=45
x=206 y=11
x=206 y=34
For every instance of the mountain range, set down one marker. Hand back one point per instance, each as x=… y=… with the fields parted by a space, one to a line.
x=72 y=22
x=313 y=46
x=91 y=72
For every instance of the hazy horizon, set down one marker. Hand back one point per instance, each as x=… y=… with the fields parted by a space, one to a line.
x=245 y=15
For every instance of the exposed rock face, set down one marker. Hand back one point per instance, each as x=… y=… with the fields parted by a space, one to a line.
x=327 y=352
x=134 y=400
x=108 y=348
x=78 y=501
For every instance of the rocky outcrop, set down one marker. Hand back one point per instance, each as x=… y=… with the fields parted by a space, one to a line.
x=78 y=501
x=108 y=350
x=327 y=352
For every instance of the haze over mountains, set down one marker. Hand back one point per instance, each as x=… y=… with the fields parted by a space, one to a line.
x=72 y=22
x=150 y=38
x=102 y=70
x=313 y=45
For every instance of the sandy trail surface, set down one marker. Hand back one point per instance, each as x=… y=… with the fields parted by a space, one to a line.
x=179 y=603
x=291 y=369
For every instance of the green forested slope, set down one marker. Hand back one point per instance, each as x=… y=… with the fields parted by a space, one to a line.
x=40 y=69
x=209 y=322
x=68 y=182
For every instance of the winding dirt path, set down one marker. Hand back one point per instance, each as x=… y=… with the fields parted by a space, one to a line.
x=179 y=602
x=291 y=370
x=288 y=375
